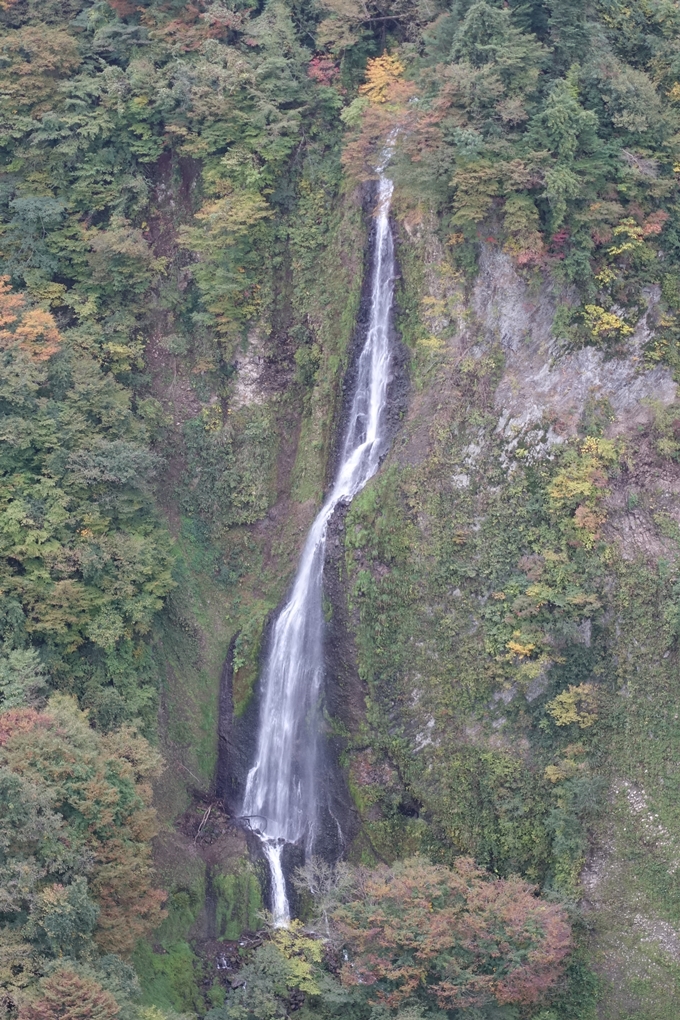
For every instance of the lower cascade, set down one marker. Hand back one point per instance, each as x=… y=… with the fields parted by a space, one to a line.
x=281 y=800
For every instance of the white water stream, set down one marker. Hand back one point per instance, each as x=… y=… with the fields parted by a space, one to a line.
x=281 y=799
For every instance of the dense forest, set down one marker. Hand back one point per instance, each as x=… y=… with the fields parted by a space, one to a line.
x=186 y=193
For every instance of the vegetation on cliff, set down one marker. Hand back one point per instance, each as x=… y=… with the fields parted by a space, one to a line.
x=180 y=261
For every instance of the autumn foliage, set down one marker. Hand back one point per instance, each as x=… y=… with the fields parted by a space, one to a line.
x=100 y=786
x=381 y=74
x=324 y=71
x=66 y=996
x=385 y=96
x=20 y=720
x=456 y=934
x=30 y=330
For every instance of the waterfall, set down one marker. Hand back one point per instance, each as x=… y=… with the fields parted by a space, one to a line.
x=281 y=799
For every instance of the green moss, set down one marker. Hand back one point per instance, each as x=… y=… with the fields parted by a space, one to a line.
x=184 y=904
x=247 y=649
x=172 y=979
x=238 y=902
x=230 y=465
x=329 y=297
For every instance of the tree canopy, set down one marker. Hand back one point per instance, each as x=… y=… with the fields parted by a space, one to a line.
x=75 y=830
x=171 y=173
x=456 y=936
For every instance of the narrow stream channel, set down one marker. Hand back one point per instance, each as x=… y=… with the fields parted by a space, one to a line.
x=281 y=800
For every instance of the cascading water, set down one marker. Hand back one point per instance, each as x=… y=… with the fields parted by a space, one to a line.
x=281 y=799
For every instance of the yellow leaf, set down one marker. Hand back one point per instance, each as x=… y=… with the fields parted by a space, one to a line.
x=575 y=705
x=381 y=72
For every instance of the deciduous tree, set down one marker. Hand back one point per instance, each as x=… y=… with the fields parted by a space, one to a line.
x=30 y=330
x=66 y=996
x=90 y=800
x=456 y=936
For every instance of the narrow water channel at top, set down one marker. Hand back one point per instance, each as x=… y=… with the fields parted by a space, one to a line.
x=281 y=800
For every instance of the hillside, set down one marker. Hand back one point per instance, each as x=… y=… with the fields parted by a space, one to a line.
x=187 y=225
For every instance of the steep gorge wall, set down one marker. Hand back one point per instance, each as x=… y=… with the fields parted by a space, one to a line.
x=503 y=599
x=481 y=594
x=444 y=731
x=268 y=430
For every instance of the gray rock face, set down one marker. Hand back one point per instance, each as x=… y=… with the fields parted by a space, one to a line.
x=541 y=383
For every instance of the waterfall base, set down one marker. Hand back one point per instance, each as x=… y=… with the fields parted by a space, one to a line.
x=280 y=906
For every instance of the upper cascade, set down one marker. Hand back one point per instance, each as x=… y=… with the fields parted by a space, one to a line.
x=281 y=798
